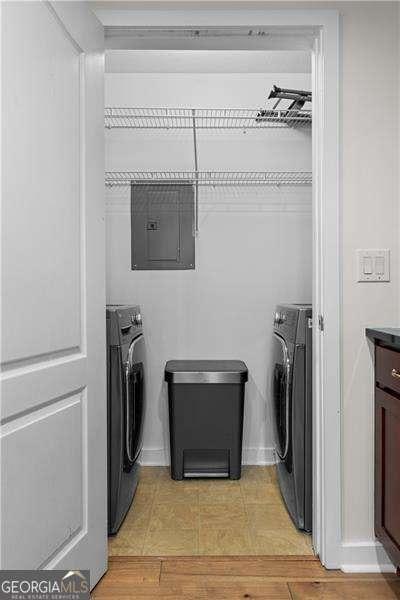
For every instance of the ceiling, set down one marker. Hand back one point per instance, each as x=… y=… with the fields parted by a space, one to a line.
x=204 y=61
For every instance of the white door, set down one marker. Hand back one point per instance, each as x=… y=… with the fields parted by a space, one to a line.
x=53 y=408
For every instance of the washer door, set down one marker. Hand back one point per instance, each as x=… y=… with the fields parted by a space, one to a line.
x=281 y=382
x=134 y=401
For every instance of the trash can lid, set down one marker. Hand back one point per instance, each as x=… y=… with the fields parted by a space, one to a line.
x=206 y=371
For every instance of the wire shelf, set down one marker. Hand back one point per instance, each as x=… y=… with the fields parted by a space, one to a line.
x=210 y=178
x=220 y=118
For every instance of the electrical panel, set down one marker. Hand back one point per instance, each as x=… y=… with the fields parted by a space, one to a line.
x=162 y=233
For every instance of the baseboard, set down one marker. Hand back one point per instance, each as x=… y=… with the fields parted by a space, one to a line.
x=258 y=456
x=365 y=557
x=154 y=457
x=159 y=457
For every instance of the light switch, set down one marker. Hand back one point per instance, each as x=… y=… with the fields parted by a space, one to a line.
x=373 y=265
x=367 y=270
x=379 y=265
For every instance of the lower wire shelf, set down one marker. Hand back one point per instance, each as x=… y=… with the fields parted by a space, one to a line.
x=206 y=118
x=210 y=178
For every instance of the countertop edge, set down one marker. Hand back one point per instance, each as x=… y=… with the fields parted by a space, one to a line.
x=387 y=335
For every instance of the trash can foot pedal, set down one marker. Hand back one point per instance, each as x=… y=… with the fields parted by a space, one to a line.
x=196 y=474
x=205 y=463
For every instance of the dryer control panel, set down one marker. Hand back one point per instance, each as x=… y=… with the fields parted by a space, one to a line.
x=123 y=323
x=286 y=319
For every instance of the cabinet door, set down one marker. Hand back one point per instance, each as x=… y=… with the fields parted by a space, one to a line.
x=387 y=472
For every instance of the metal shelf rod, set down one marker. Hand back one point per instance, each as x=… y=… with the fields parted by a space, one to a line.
x=196 y=169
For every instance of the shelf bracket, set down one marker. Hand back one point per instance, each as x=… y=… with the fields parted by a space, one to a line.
x=196 y=171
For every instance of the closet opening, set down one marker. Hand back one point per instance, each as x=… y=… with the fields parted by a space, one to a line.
x=209 y=221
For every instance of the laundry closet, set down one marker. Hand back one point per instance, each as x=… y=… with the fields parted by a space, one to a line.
x=201 y=122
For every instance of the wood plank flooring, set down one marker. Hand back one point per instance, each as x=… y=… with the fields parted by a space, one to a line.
x=238 y=578
x=208 y=517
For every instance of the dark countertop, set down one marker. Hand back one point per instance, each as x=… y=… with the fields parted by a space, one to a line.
x=388 y=335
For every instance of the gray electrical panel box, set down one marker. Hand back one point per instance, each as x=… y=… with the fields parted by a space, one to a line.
x=162 y=226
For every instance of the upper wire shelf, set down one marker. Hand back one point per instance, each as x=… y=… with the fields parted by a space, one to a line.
x=204 y=118
x=211 y=178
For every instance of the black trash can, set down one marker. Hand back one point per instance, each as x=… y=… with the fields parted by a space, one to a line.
x=206 y=399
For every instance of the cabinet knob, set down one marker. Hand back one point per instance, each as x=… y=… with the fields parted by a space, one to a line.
x=395 y=374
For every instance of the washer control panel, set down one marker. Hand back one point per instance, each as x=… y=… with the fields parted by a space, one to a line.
x=136 y=319
x=289 y=318
x=280 y=318
x=124 y=322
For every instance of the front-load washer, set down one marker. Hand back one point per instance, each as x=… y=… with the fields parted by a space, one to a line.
x=126 y=407
x=292 y=404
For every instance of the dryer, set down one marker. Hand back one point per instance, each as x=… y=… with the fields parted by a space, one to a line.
x=292 y=403
x=126 y=407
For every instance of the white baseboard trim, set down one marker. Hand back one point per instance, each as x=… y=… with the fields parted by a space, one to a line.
x=258 y=456
x=154 y=457
x=365 y=557
x=159 y=457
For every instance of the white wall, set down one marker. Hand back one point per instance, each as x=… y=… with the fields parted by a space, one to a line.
x=210 y=61
x=370 y=219
x=253 y=250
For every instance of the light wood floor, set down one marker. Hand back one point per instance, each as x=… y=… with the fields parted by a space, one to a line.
x=208 y=517
x=238 y=578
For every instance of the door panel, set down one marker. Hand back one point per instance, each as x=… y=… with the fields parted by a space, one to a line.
x=387 y=477
x=392 y=480
x=21 y=388
x=57 y=505
x=53 y=428
x=42 y=240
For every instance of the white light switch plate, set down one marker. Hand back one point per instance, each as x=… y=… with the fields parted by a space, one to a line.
x=373 y=265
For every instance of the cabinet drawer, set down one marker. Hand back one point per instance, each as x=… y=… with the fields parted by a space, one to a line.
x=388 y=368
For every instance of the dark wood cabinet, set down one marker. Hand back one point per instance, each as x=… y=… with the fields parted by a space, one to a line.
x=387 y=450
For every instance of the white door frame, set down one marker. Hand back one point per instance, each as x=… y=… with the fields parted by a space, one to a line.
x=327 y=297
x=324 y=25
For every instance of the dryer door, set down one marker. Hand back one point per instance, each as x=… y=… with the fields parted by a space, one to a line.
x=281 y=381
x=134 y=401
